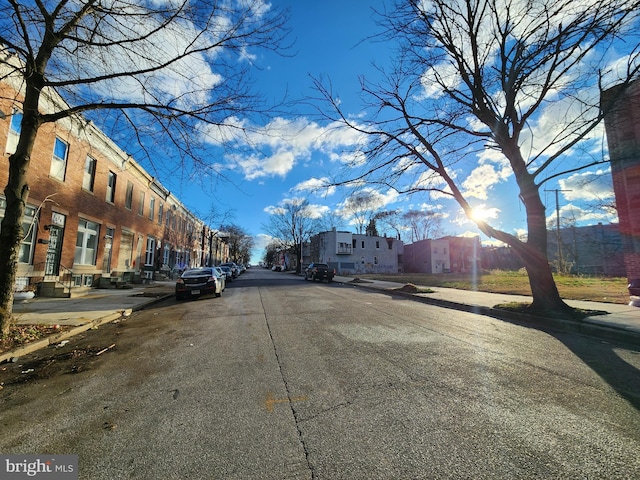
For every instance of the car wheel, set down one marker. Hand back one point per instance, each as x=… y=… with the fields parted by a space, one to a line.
x=329 y=280
x=179 y=297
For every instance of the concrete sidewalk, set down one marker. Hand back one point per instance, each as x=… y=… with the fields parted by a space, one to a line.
x=622 y=322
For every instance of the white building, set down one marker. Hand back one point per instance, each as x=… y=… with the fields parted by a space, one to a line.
x=351 y=253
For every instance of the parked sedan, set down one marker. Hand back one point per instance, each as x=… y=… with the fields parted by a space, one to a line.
x=222 y=276
x=198 y=281
x=228 y=272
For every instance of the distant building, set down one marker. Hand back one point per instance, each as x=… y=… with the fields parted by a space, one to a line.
x=351 y=253
x=622 y=126
x=590 y=250
x=442 y=255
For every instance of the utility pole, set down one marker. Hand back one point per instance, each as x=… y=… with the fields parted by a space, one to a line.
x=560 y=260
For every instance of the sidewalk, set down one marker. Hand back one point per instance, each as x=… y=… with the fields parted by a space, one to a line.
x=83 y=313
x=622 y=322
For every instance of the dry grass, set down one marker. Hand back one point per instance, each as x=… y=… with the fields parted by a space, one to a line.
x=598 y=289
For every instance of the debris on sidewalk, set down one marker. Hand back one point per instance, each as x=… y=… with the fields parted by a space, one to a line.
x=105 y=349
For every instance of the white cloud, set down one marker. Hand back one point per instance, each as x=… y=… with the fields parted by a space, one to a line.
x=588 y=186
x=315 y=185
x=574 y=214
x=312 y=211
x=483 y=178
x=286 y=142
x=278 y=164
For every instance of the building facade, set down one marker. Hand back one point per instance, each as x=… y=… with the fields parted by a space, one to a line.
x=622 y=125
x=351 y=253
x=443 y=255
x=94 y=215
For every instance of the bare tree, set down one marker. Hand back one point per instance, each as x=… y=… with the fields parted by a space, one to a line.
x=292 y=223
x=390 y=219
x=476 y=82
x=240 y=243
x=361 y=207
x=422 y=225
x=169 y=72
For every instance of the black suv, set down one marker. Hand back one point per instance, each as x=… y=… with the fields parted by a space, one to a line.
x=319 y=271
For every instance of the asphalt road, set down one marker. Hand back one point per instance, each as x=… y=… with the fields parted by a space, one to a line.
x=281 y=378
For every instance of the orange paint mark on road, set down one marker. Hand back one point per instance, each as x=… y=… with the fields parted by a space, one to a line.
x=270 y=401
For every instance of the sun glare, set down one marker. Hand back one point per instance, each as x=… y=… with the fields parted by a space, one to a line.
x=482 y=214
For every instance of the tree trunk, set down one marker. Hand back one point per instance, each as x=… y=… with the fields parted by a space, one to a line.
x=16 y=193
x=534 y=254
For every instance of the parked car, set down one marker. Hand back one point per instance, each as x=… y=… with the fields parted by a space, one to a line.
x=227 y=271
x=223 y=277
x=198 y=281
x=234 y=268
x=319 y=271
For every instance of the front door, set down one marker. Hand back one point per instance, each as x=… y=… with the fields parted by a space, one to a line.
x=106 y=259
x=54 y=250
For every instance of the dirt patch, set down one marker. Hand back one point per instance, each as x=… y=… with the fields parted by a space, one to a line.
x=21 y=335
x=411 y=288
x=70 y=356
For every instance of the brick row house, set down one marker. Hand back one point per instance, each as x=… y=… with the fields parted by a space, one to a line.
x=622 y=127
x=95 y=217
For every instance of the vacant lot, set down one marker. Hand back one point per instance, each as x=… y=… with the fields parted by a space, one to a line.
x=598 y=289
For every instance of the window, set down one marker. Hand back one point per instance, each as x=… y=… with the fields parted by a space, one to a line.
x=152 y=206
x=377 y=244
x=111 y=187
x=14 y=131
x=89 y=174
x=362 y=243
x=29 y=229
x=165 y=255
x=128 y=200
x=141 y=204
x=151 y=249
x=375 y=260
x=354 y=243
x=160 y=213
x=59 y=159
x=86 y=243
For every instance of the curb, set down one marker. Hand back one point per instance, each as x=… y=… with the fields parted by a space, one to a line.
x=57 y=338
x=585 y=327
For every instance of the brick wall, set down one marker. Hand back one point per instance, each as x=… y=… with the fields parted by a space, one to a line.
x=71 y=200
x=622 y=126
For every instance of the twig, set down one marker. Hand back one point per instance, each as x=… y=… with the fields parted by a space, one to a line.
x=105 y=349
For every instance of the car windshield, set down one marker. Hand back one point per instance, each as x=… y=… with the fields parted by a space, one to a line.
x=197 y=272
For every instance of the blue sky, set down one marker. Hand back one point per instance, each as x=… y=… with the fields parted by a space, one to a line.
x=297 y=150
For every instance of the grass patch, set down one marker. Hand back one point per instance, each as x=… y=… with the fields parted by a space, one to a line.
x=576 y=314
x=571 y=287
